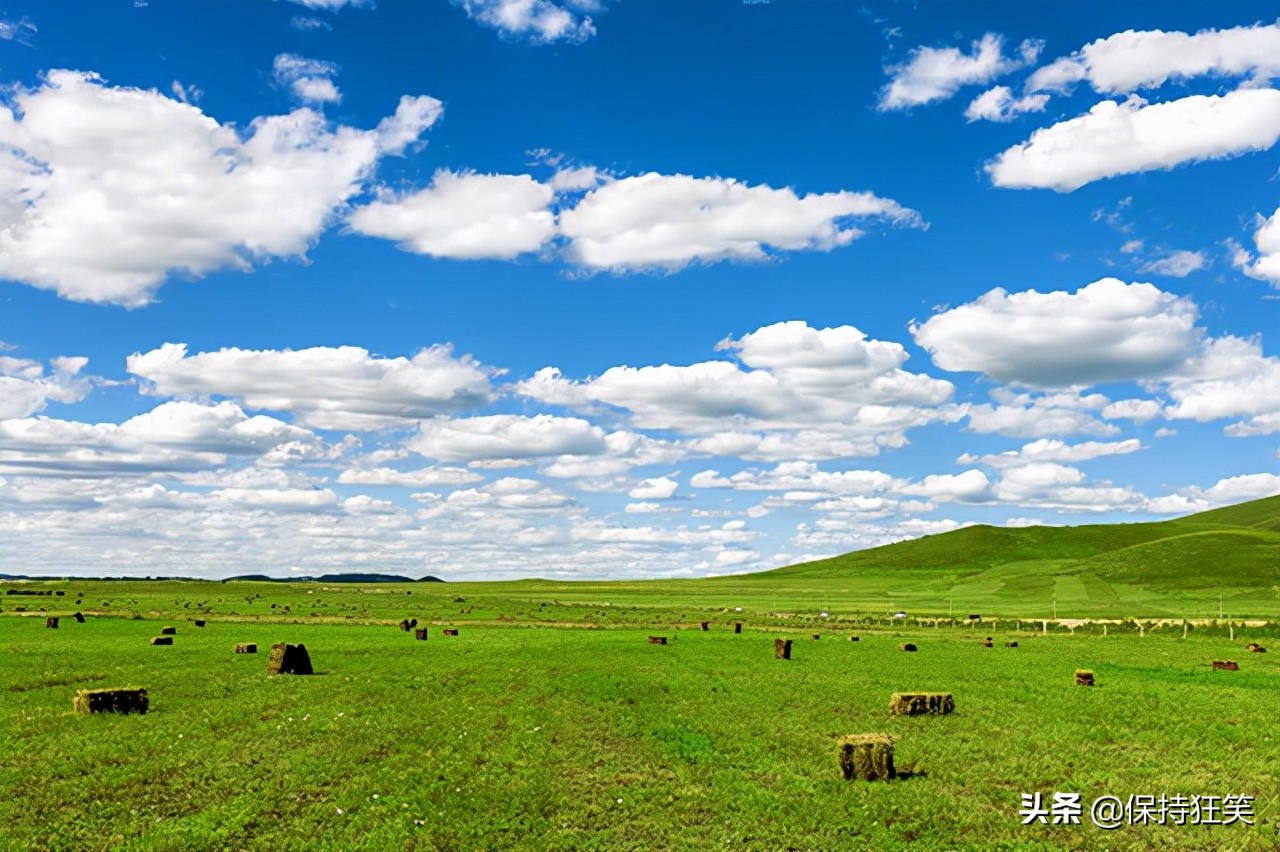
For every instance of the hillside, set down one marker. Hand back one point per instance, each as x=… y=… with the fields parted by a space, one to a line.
x=1233 y=549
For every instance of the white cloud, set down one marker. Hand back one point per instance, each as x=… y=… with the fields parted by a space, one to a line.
x=464 y=216
x=934 y=74
x=1134 y=136
x=1146 y=59
x=424 y=477
x=332 y=5
x=413 y=115
x=1054 y=486
x=507 y=436
x=1022 y=415
x=1230 y=377
x=172 y=436
x=308 y=79
x=798 y=477
x=1104 y=332
x=999 y=104
x=174 y=191
x=658 y=488
x=540 y=21
x=655 y=221
x=1137 y=410
x=1051 y=450
x=972 y=486
x=26 y=387
x=1178 y=264
x=1266 y=265
x=1237 y=489
x=326 y=387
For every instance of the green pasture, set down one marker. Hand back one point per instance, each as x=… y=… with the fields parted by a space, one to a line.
x=521 y=736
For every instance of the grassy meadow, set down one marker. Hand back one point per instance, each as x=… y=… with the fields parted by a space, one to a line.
x=550 y=722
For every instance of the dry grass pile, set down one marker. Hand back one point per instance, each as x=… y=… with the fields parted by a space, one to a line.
x=1084 y=677
x=867 y=756
x=162 y=640
x=1226 y=665
x=450 y=631
x=908 y=647
x=420 y=633
x=782 y=649
x=289 y=659
x=657 y=640
x=51 y=623
x=1011 y=645
x=247 y=648
x=1255 y=648
x=168 y=631
x=110 y=701
x=921 y=704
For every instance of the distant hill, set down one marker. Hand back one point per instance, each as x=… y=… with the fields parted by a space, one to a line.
x=1232 y=548
x=334 y=578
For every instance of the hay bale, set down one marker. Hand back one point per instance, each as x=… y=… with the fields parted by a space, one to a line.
x=908 y=647
x=404 y=625
x=867 y=756
x=854 y=639
x=987 y=643
x=79 y=617
x=420 y=633
x=450 y=631
x=162 y=640
x=199 y=622
x=1011 y=644
x=1084 y=677
x=973 y=616
x=1226 y=665
x=737 y=627
x=289 y=659
x=657 y=640
x=817 y=636
x=1255 y=648
x=168 y=631
x=921 y=704
x=51 y=623
x=413 y=622
x=247 y=648
x=110 y=701
x=706 y=625
x=782 y=649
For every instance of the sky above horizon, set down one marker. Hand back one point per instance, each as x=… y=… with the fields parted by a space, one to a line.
x=492 y=289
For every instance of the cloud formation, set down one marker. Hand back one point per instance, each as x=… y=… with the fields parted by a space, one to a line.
x=934 y=74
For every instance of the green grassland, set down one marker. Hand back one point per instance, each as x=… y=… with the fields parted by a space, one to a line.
x=550 y=722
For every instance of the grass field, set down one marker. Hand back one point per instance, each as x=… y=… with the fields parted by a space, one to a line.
x=550 y=722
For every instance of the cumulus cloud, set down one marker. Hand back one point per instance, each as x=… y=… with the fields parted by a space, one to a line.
x=332 y=5
x=655 y=221
x=172 y=436
x=1104 y=332
x=1134 y=60
x=26 y=386
x=999 y=104
x=935 y=74
x=658 y=488
x=1229 y=377
x=1265 y=265
x=423 y=477
x=174 y=191
x=308 y=79
x=1033 y=415
x=1049 y=485
x=972 y=486
x=507 y=436
x=464 y=216
x=1051 y=450
x=539 y=21
x=326 y=387
x=1117 y=138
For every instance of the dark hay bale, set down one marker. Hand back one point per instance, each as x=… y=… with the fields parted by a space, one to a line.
x=854 y=639
x=450 y=631
x=782 y=649
x=1255 y=648
x=420 y=633
x=404 y=625
x=737 y=628
x=413 y=622
x=51 y=623
x=908 y=647
x=986 y=643
x=1226 y=665
x=1011 y=645
x=110 y=701
x=706 y=625
x=79 y=617
x=921 y=703
x=168 y=631
x=289 y=659
x=248 y=648
x=867 y=756
x=1084 y=678
x=162 y=640
x=657 y=640
x=973 y=616
x=817 y=636
x=199 y=622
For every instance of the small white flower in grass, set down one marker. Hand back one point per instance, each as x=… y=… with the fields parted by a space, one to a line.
x=339 y=810
x=375 y=795
x=619 y=801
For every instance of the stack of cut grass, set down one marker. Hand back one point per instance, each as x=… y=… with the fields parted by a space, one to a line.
x=908 y=647
x=51 y=623
x=1226 y=665
x=782 y=649
x=247 y=648
x=854 y=639
x=289 y=659
x=1255 y=648
x=655 y=640
x=921 y=703
x=987 y=643
x=1012 y=644
x=168 y=631
x=450 y=631
x=420 y=633
x=1084 y=677
x=162 y=640
x=79 y=617
x=111 y=701
x=867 y=756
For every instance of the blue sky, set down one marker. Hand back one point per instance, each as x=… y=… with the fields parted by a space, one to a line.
x=580 y=289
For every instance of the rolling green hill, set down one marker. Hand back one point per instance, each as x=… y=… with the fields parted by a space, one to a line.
x=1233 y=550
